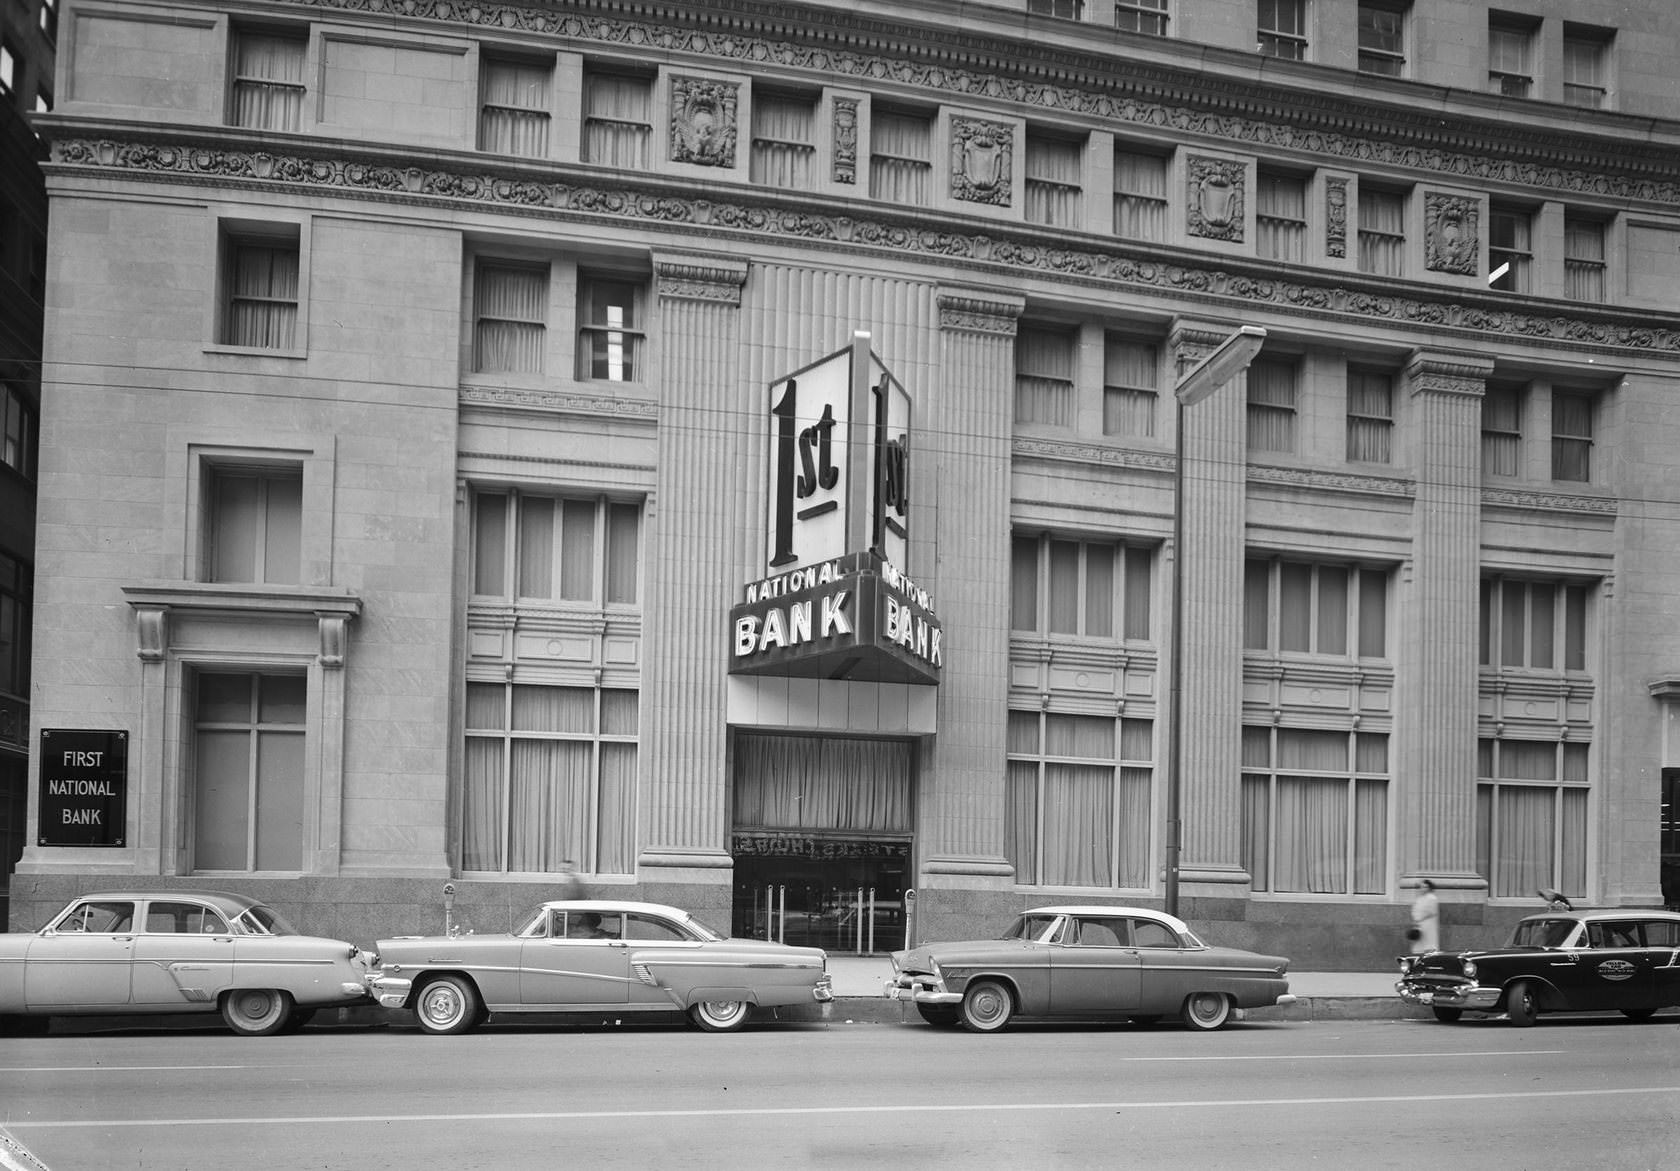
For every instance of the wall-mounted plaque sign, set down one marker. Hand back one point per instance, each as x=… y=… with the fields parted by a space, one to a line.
x=84 y=788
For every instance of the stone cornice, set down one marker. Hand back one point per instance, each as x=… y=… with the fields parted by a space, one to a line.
x=1155 y=95
x=558 y=401
x=580 y=195
x=1321 y=481
x=1073 y=451
x=980 y=311
x=694 y=277
x=1548 y=501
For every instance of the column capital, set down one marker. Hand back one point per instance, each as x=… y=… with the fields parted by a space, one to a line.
x=1195 y=340
x=980 y=310
x=1448 y=372
x=696 y=276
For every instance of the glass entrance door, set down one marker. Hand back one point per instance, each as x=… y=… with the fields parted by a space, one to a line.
x=844 y=905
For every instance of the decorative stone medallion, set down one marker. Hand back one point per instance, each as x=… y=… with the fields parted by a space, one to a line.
x=1451 y=240
x=703 y=121
x=982 y=161
x=1215 y=205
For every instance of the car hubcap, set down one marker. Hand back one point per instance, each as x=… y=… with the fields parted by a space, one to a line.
x=443 y=1007
x=988 y=1006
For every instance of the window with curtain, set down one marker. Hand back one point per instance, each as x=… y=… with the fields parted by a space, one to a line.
x=1314 y=811
x=1077 y=800
x=1531 y=816
x=1586 y=55
x=1088 y=589
x=1382 y=37
x=1141 y=16
x=611 y=333
x=1510 y=47
x=1271 y=405
x=1583 y=259
x=1280 y=210
x=1510 y=249
x=1054 y=193
x=1282 y=28
x=510 y=317
x=260 y=291
x=1382 y=231
x=1131 y=376
x=784 y=131
x=823 y=783
x=1533 y=625
x=1502 y=418
x=1370 y=416
x=1044 y=366
x=1066 y=9
x=900 y=156
x=617 y=119
x=1140 y=195
x=248 y=753
x=1304 y=607
x=549 y=780
x=534 y=548
x=513 y=112
x=268 y=85
x=254 y=530
x=1572 y=435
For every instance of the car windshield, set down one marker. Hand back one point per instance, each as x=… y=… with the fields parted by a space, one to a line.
x=261 y=920
x=706 y=931
x=1543 y=932
x=533 y=923
x=1029 y=927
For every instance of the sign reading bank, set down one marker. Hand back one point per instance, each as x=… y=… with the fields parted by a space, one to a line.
x=836 y=602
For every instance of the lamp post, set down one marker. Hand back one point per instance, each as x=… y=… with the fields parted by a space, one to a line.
x=1227 y=361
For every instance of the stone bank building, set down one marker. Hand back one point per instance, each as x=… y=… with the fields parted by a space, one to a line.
x=425 y=497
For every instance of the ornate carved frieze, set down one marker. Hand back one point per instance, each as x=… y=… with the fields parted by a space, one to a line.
x=845 y=140
x=982 y=161
x=1333 y=481
x=699 y=278
x=1092 y=453
x=1429 y=373
x=1335 y=217
x=1215 y=198
x=978 y=312
x=1548 y=501
x=517 y=192
x=703 y=121
x=1450 y=235
x=516 y=398
x=1305 y=124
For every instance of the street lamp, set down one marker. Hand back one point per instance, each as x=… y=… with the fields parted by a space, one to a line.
x=1227 y=361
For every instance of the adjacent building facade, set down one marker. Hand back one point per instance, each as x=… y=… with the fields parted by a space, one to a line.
x=460 y=462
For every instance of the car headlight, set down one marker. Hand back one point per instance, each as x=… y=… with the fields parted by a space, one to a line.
x=1470 y=969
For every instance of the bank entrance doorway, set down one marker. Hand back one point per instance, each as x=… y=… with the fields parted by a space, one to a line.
x=822 y=840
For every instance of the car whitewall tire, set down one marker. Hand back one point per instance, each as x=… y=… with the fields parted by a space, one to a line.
x=987 y=1006
x=1206 y=1011
x=257 y=1012
x=446 y=1005
x=720 y=1016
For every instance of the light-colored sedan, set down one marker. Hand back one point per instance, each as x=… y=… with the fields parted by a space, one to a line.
x=139 y=952
x=1084 y=962
x=594 y=955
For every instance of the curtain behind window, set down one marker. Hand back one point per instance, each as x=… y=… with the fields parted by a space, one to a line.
x=513 y=116
x=783 y=130
x=1382 y=232
x=268 y=87
x=263 y=296
x=512 y=309
x=900 y=169
x=1140 y=196
x=1052 y=182
x=617 y=128
x=1280 y=217
x=786 y=782
x=1044 y=377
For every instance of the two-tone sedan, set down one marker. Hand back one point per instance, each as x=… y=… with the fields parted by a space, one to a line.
x=593 y=956
x=1619 y=960
x=1083 y=962
x=131 y=953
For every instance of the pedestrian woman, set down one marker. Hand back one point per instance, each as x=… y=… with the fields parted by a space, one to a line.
x=1425 y=932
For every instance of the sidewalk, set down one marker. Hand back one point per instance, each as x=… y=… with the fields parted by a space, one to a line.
x=860 y=995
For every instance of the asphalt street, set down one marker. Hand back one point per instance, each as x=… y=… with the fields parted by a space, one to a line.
x=1595 y=1091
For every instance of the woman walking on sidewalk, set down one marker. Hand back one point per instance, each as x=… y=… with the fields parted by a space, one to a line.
x=1425 y=932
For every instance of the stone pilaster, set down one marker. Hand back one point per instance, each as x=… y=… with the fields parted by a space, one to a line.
x=685 y=794
x=1213 y=508
x=966 y=431
x=1434 y=761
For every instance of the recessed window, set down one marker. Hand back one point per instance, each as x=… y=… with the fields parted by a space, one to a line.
x=617 y=119
x=1315 y=811
x=1066 y=9
x=1502 y=426
x=1141 y=16
x=610 y=330
x=1370 y=416
x=531 y=547
x=1140 y=195
x=1281 y=216
x=1572 y=435
x=1583 y=258
x=1382 y=37
x=1510 y=55
x=1054 y=191
x=1087 y=589
x=1532 y=835
x=248 y=772
x=510 y=318
x=268 y=85
x=784 y=130
x=255 y=526
x=513 y=112
x=16 y=609
x=1533 y=625
x=18 y=426
x=1044 y=367
x=1281 y=26
x=260 y=289
x=1131 y=375
x=1586 y=66
x=1310 y=608
x=1510 y=249
x=900 y=156
x=1382 y=231
x=1271 y=405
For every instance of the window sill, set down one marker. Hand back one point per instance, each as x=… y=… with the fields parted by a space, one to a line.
x=290 y=355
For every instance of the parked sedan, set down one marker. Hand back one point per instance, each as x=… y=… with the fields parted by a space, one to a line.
x=592 y=955
x=1086 y=963
x=1622 y=960
x=175 y=952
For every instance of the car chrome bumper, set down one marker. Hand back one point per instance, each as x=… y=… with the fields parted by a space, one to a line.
x=1471 y=996
x=823 y=992
x=390 y=991
x=921 y=991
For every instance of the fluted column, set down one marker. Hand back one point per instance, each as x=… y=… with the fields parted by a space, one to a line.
x=1435 y=758
x=700 y=507
x=966 y=431
x=1213 y=508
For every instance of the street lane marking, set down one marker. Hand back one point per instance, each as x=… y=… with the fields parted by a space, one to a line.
x=796 y=1111
x=1358 y=1056
x=121 y=1068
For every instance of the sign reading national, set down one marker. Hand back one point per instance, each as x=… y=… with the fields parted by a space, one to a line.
x=84 y=787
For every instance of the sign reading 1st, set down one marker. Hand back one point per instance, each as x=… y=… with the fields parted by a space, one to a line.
x=839 y=461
